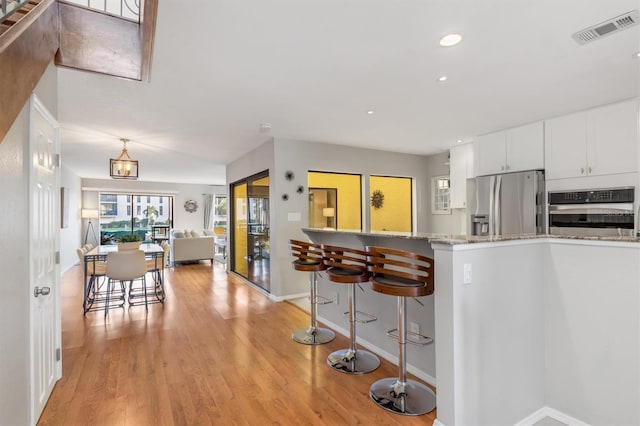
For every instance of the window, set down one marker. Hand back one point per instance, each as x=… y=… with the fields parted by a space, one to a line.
x=440 y=195
x=220 y=214
x=114 y=221
x=390 y=203
x=347 y=206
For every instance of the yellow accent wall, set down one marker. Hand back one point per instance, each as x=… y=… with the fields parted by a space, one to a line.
x=348 y=209
x=240 y=229
x=395 y=213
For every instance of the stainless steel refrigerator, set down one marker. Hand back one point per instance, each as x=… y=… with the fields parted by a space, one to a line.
x=506 y=204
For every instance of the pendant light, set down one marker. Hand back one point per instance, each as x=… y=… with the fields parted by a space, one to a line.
x=123 y=167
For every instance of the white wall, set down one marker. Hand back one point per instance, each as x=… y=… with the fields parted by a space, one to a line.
x=490 y=333
x=14 y=259
x=71 y=237
x=592 y=332
x=544 y=323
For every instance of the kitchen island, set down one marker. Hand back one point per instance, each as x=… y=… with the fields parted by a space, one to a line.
x=524 y=326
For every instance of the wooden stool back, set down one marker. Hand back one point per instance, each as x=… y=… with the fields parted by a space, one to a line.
x=399 y=272
x=308 y=256
x=346 y=265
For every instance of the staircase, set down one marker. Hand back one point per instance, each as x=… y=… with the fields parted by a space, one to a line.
x=13 y=11
x=34 y=32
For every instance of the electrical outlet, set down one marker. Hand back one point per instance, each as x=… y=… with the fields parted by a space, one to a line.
x=414 y=327
x=335 y=298
x=467 y=273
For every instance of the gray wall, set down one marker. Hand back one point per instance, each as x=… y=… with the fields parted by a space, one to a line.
x=288 y=217
x=300 y=157
x=14 y=259
x=72 y=236
x=453 y=223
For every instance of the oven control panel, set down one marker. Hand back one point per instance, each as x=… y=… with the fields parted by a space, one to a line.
x=596 y=196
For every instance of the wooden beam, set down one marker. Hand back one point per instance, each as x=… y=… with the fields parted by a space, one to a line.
x=25 y=51
x=148 y=28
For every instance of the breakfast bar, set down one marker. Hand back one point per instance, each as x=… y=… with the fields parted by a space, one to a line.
x=523 y=326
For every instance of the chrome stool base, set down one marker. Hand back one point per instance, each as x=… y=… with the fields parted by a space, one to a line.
x=416 y=399
x=350 y=362
x=313 y=336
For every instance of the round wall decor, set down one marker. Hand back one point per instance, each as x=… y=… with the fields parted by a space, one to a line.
x=377 y=199
x=191 y=206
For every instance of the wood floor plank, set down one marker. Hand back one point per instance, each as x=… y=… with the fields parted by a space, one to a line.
x=217 y=352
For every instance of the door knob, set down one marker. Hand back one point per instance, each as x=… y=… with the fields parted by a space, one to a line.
x=41 y=291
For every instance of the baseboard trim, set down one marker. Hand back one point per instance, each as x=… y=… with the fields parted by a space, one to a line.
x=379 y=351
x=288 y=297
x=544 y=412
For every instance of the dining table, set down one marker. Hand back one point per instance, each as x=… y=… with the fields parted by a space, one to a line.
x=99 y=254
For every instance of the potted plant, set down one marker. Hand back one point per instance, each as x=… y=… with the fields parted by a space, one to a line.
x=129 y=242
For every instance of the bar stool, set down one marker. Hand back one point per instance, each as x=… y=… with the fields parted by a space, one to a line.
x=349 y=266
x=402 y=274
x=309 y=259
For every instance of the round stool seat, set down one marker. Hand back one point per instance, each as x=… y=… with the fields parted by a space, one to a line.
x=308 y=265
x=347 y=276
x=399 y=286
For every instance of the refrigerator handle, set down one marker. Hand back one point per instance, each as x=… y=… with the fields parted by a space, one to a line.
x=496 y=207
x=492 y=184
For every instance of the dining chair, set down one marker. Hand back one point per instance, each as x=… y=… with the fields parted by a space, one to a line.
x=156 y=267
x=95 y=270
x=124 y=266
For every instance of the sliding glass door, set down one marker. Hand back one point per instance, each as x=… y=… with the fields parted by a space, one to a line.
x=250 y=227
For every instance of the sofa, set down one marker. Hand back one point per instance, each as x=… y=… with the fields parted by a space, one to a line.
x=190 y=246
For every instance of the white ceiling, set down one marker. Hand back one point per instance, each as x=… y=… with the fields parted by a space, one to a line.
x=312 y=68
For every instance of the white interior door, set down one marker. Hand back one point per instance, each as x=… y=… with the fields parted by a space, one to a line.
x=44 y=258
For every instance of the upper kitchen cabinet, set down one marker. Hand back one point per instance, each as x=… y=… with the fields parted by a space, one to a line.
x=512 y=150
x=460 y=169
x=600 y=141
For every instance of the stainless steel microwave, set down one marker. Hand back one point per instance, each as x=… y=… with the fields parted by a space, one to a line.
x=598 y=212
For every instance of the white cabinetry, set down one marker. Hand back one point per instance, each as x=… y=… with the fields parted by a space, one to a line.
x=600 y=141
x=512 y=150
x=461 y=168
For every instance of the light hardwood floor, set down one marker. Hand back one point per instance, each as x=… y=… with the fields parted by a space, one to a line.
x=217 y=352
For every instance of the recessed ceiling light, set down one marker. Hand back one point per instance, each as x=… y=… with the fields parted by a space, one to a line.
x=450 y=40
x=265 y=127
x=459 y=141
x=636 y=55
x=443 y=78
x=371 y=112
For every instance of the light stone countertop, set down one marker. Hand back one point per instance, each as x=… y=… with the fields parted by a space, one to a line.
x=469 y=239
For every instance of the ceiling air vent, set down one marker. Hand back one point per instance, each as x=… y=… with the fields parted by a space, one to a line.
x=605 y=28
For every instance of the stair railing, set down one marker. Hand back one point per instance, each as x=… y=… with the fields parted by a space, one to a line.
x=127 y=9
x=10 y=6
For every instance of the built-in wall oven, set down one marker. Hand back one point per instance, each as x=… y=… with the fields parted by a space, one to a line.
x=599 y=212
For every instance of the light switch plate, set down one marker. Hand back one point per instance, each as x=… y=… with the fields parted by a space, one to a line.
x=294 y=217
